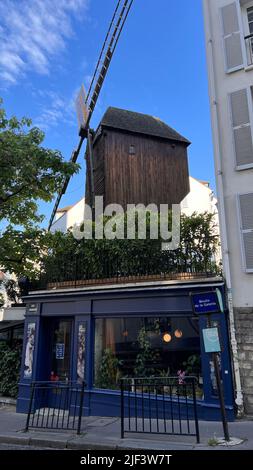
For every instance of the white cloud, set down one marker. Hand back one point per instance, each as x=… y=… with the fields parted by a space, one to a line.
x=33 y=33
x=57 y=110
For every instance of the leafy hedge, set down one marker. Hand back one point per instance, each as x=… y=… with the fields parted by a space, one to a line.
x=69 y=259
x=10 y=360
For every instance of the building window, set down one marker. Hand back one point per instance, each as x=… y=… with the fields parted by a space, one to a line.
x=246 y=226
x=132 y=150
x=145 y=347
x=249 y=36
x=232 y=37
x=241 y=121
x=250 y=19
x=5 y=336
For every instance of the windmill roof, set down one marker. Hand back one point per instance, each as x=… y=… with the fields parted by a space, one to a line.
x=140 y=124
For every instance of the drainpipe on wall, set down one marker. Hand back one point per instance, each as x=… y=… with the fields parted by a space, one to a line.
x=222 y=214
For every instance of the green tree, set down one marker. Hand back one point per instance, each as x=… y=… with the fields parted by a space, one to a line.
x=29 y=173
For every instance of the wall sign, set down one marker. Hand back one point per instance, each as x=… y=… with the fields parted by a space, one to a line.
x=29 y=349
x=59 y=350
x=211 y=340
x=32 y=307
x=205 y=303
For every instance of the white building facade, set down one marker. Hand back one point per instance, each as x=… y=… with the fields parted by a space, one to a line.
x=200 y=199
x=229 y=46
x=68 y=216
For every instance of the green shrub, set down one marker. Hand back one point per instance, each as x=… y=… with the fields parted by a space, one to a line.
x=10 y=359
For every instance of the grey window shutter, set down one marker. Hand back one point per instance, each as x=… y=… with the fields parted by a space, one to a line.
x=232 y=38
x=246 y=212
x=242 y=128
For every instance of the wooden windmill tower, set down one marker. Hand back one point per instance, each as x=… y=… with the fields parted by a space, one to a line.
x=137 y=159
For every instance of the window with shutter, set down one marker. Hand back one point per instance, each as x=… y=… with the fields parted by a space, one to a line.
x=232 y=38
x=246 y=225
x=242 y=127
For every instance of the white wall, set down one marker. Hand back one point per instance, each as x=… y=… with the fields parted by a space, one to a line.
x=234 y=182
x=200 y=199
x=67 y=219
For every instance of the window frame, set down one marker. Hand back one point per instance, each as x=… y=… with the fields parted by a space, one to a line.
x=244 y=10
x=242 y=231
x=246 y=31
x=249 y=90
x=241 y=30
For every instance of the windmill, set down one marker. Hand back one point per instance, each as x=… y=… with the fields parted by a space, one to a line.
x=86 y=103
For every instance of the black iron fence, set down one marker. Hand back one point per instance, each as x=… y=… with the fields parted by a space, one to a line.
x=77 y=269
x=55 y=405
x=159 y=406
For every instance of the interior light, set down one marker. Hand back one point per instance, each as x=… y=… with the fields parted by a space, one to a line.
x=178 y=333
x=167 y=338
x=125 y=333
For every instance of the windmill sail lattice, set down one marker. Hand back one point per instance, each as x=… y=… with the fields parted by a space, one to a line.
x=85 y=114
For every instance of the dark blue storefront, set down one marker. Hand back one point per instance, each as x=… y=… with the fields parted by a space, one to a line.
x=97 y=334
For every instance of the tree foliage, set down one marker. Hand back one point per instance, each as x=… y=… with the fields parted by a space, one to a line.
x=10 y=359
x=29 y=173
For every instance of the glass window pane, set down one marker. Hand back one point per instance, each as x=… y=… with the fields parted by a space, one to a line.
x=145 y=347
x=250 y=14
x=61 y=351
x=18 y=333
x=4 y=336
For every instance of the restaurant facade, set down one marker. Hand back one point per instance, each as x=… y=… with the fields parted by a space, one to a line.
x=102 y=333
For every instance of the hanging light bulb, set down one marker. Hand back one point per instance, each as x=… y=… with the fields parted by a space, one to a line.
x=178 y=333
x=167 y=338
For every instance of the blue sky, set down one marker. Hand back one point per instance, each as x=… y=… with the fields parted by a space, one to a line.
x=49 y=47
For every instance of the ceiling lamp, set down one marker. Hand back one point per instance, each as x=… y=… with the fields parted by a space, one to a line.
x=178 y=333
x=167 y=338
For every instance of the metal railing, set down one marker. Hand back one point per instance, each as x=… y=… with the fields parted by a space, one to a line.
x=159 y=406
x=78 y=269
x=55 y=405
x=249 y=48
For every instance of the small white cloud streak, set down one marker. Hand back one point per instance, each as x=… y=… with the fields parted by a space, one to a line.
x=58 y=110
x=33 y=32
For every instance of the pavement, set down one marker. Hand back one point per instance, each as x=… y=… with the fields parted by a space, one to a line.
x=104 y=433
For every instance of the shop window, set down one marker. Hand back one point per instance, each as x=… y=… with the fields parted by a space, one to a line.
x=18 y=334
x=145 y=347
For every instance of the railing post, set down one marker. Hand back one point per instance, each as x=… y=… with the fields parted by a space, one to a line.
x=80 y=409
x=122 y=407
x=195 y=411
x=30 y=407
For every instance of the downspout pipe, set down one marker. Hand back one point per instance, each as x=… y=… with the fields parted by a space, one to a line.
x=217 y=142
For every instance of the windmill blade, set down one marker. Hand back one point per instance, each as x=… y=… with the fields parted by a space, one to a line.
x=111 y=40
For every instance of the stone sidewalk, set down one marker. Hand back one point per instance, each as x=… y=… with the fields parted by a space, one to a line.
x=104 y=433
